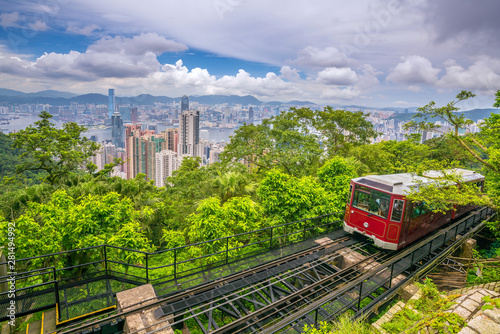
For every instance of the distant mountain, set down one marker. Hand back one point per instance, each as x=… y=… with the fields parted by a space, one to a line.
x=474 y=114
x=57 y=98
x=90 y=98
x=300 y=103
x=401 y=110
x=52 y=93
x=43 y=93
x=146 y=99
x=219 y=99
x=10 y=92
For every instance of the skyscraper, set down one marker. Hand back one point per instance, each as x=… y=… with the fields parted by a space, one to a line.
x=184 y=103
x=250 y=115
x=133 y=115
x=166 y=163
x=189 y=133
x=117 y=129
x=111 y=102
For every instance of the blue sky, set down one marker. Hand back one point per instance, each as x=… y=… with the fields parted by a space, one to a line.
x=397 y=53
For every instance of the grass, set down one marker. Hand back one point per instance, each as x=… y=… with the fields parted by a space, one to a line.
x=343 y=325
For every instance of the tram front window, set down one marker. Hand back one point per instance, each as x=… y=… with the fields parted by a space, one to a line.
x=371 y=200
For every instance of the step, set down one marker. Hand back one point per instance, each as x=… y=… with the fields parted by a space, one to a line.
x=49 y=323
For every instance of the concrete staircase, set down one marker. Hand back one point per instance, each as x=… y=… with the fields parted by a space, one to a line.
x=46 y=325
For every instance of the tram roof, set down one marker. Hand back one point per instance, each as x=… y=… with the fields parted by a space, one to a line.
x=403 y=183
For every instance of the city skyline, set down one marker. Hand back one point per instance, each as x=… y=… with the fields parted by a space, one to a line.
x=382 y=54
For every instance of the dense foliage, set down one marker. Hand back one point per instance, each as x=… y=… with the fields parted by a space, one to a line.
x=296 y=165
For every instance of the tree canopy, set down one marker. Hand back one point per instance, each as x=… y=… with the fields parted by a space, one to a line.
x=57 y=152
x=483 y=147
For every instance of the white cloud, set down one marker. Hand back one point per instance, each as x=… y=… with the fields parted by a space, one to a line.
x=116 y=57
x=38 y=25
x=316 y=57
x=483 y=75
x=337 y=76
x=414 y=70
x=289 y=73
x=137 y=45
x=347 y=93
x=179 y=78
x=9 y=20
x=86 y=30
x=368 y=78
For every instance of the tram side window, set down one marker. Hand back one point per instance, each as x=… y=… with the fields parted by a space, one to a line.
x=419 y=208
x=371 y=200
x=349 y=196
x=397 y=210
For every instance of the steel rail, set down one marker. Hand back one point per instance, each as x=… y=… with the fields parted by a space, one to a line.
x=406 y=252
x=253 y=289
x=158 y=301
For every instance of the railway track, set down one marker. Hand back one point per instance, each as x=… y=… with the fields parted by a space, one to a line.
x=342 y=241
x=262 y=287
x=286 y=293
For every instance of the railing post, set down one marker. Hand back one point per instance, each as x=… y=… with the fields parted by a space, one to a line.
x=227 y=249
x=316 y=319
x=147 y=268
x=304 y=236
x=271 y=240
x=175 y=263
x=360 y=291
x=105 y=261
x=56 y=290
x=392 y=272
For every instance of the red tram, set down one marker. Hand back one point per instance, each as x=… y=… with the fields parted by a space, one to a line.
x=377 y=207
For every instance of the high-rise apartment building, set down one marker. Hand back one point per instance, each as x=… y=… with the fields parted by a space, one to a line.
x=141 y=148
x=250 y=115
x=184 y=103
x=117 y=129
x=133 y=115
x=111 y=102
x=166 y=163
x=171 y=137
x=189 y=133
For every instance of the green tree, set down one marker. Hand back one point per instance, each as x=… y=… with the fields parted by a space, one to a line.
x=65 y=223
x=232 y=183
x=339 y=129
x=335 y=176
x=280 y=142
x=57 y=152
x=484 y=148
x=286 y=198
x=457 y=121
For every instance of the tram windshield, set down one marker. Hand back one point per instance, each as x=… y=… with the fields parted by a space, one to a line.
x=371 y=200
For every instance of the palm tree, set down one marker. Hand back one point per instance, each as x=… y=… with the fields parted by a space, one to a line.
x=233 y=184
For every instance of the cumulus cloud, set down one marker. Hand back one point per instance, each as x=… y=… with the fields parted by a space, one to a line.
x=337 y=76
x=316 y=57
x=483 y=75
x=116 y=57
x=15 y=65
x=289 y=73
x=414 y=70
x=86 y=30
x=368 y=78
x=9 y=20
